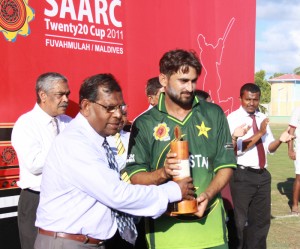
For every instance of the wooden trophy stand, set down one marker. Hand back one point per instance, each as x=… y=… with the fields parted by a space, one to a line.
x=181 y=148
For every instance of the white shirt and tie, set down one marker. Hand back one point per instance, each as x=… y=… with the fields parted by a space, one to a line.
x=250 y=157
x=79 y=190
x=32 y=136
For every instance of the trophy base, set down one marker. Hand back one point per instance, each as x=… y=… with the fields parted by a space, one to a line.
x=183 y=207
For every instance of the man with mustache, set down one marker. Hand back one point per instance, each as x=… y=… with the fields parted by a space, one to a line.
x=32 y=136
x=211 y=155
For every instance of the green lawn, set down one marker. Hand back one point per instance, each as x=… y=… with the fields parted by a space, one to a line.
x=285 y=229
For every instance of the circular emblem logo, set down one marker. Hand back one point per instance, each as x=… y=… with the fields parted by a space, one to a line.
x=161 y=132
x=12 y=14
x=8 y=155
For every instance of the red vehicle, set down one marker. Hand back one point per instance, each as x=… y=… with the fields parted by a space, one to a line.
x=79 y=38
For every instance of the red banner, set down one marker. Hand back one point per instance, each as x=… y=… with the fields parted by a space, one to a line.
x=79 y=38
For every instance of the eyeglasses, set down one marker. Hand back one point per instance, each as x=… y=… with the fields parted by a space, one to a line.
x=112 y=109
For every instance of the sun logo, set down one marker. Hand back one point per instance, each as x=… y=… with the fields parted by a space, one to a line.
x=14 y=18
x=161 y=132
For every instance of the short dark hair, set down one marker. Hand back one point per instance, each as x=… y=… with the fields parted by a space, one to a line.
x=251 y=87
x=45 y=83
x=201 y=94
x=179 y=59
x=89 y=87
x=153 y=86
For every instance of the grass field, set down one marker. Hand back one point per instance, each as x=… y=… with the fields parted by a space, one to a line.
x=285 y=228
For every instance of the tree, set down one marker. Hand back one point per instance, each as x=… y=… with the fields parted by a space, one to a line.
x=264 y=86
x=275 y=75
x=297 y=70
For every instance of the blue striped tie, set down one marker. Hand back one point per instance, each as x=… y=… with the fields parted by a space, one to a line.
x=125 y=222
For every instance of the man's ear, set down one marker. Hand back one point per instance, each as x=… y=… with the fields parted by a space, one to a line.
x=163 y=79
x=150 y=99
x=43 y=96
x=85 y=107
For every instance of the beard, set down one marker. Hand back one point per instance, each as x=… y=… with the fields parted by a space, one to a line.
x=179 y=99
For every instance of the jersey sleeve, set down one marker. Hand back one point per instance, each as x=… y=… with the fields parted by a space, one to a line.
x=225 y=157
x=138 y=159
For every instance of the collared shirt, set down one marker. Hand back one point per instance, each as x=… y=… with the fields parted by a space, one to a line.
x=249 y=157
x=210 y=149
x=32 y=137
x=295 y=122
x=121 y=159
x=78 y=188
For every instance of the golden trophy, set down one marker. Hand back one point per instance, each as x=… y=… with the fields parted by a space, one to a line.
x=181 y=148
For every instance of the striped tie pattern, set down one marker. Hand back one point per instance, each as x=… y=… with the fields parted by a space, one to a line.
x=120 y=145
x=125 y=221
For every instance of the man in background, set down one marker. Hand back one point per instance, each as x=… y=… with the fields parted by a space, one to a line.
x=153 y=90
x=251 y=181
x=294 y=154
x=32 y=136
x=202 y=95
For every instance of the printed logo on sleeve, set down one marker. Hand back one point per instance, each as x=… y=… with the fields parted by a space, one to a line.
x=130 y=158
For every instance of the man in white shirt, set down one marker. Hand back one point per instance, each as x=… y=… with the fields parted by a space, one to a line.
x=294 y=154
x=251 y=182
x=32 y=136
x=82 y=196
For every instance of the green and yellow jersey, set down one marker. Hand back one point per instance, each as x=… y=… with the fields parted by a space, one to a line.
x=210 y=149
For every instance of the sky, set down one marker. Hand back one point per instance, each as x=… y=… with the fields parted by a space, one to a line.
x=277 y=46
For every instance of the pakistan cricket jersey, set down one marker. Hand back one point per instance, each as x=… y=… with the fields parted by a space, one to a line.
x=210 y=149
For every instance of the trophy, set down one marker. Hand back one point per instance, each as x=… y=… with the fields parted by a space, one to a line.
x=181 y=148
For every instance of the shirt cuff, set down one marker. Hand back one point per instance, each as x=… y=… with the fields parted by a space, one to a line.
x=173 y=191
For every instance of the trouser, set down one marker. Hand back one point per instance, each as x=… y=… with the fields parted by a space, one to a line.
x=251 y=194
x=48 y=242
x=27 y=206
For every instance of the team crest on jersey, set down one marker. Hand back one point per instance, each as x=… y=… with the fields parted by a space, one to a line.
x=161 y=132
x=203 y=130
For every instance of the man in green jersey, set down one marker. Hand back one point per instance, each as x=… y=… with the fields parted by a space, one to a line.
x=212 y=158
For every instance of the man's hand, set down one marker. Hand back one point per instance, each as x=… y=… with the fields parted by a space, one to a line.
x=292 y=154
x=263 y=126
x=241 y=130
x=285 y=136
x=171 y=164
x=187 y=188
x=202 y=201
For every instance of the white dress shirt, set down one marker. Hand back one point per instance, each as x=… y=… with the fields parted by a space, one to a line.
x=121 y=159
x=249 y=157
x=295 y=122
x=79 y=189
x=32 y=136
